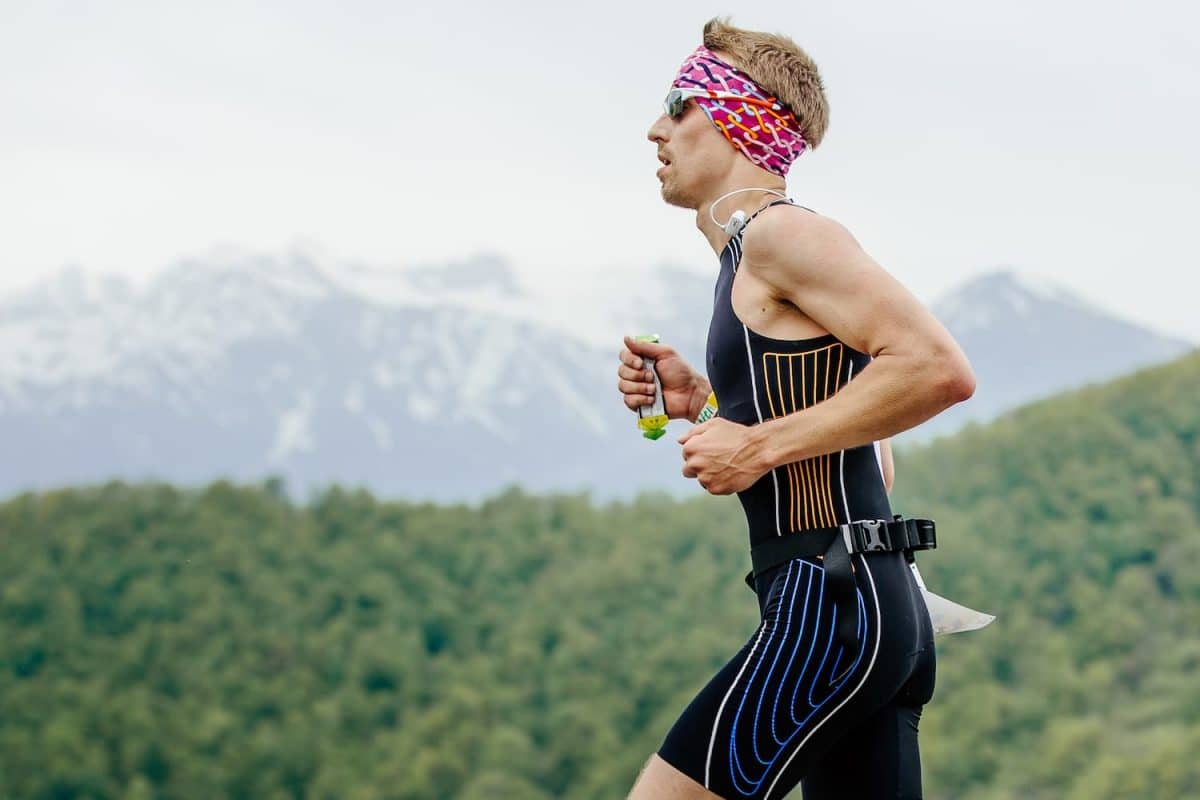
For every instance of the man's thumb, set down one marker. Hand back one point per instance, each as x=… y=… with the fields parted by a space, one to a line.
x=652 y=349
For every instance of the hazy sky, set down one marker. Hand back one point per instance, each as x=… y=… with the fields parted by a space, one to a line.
x=1055 y=137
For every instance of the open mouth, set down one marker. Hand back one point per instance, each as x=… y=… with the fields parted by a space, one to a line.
x=665 y=162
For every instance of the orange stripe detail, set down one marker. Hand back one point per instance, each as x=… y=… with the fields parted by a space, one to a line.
x=804 y=467
x=766 y=377
x=793 y=479
x=771 y=405
x=803 y=489
x=794 y=519
x=823 y=480
x=827 y=481
x=810 y=485
x=791 y=471
x=819 y=479
x=828 y=364
x=829 y=513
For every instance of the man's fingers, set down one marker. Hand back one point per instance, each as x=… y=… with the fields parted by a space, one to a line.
x=634 y=381
x=631 y=359
x=635 y=388
x=632 y=374
x=633 y=367
x=692 y=431
x=636 y=401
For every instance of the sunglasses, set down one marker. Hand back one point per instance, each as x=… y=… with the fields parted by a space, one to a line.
x=676 y=99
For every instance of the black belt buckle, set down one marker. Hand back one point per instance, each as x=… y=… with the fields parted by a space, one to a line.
x=870 y=536
x=922 y=534
x=918 y=534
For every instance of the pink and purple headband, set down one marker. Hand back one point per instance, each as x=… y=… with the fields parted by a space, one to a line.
x=768 y=136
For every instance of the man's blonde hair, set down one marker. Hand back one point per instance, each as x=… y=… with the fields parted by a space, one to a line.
x=780 y=66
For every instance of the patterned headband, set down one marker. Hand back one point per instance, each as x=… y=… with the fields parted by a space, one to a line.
x=770 y=138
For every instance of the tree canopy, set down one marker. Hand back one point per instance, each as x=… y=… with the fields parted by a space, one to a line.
x=223 y=641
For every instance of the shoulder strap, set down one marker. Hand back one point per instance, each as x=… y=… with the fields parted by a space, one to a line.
x=787 y=200
x=736 y=239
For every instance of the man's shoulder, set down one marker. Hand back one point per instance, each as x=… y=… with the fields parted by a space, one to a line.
x=786 y=235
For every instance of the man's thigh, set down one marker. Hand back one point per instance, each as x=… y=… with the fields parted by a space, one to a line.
x=661 y=781
x=878 y=759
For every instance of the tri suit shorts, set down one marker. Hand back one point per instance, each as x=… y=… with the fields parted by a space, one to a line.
x=771 y=718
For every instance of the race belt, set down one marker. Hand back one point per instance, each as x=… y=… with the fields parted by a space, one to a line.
x=835 y=546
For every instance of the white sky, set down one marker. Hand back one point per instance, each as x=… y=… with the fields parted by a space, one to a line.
x=1056 y=137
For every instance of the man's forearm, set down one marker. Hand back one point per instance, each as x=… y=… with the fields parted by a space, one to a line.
x=892 y=394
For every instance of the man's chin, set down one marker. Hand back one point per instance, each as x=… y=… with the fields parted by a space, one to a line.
x=674 y=198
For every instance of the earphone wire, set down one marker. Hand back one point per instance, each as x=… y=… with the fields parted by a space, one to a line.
x=740 y=215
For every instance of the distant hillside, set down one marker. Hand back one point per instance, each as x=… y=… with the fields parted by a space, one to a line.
x=223 y=642
x=1028 y=339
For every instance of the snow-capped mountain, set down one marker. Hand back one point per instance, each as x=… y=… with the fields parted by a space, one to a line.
x=1027 y=339
x=444 y=382
x=436 y=383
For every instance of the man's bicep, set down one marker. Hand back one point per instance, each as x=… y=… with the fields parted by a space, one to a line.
x=816 y=264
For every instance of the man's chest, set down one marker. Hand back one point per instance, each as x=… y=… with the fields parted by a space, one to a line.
x=759 y=306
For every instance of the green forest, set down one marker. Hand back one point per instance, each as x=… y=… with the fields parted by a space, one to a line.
x=226 y=641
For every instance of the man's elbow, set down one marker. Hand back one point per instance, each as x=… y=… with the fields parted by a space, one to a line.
x=957 y=383
x=954 y=380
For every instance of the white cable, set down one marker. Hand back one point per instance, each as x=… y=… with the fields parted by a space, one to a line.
x=738 y=219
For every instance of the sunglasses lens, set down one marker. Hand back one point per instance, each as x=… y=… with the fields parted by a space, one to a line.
x=674 y=103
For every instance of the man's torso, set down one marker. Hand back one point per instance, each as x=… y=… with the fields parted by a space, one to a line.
x=764 y=310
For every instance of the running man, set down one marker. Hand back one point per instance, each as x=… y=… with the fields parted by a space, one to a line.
x=816 y=354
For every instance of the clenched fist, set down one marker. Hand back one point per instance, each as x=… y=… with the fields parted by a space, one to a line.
x=684 y=391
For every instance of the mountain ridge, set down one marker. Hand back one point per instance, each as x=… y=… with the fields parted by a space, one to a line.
x=424 y=382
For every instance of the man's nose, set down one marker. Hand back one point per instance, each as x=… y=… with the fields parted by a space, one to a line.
x=657 y=128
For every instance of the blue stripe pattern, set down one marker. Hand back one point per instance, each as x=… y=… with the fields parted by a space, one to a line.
x=759 y=760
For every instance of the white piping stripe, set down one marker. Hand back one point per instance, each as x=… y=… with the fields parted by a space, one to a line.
x=713 y=738
x=866 y=674
x=754 y=390
x=757 y=407
x=758 y=410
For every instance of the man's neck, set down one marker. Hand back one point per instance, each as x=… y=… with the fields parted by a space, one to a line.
x=749 y=202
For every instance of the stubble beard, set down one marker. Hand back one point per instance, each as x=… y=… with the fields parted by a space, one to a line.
x=673 y=195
